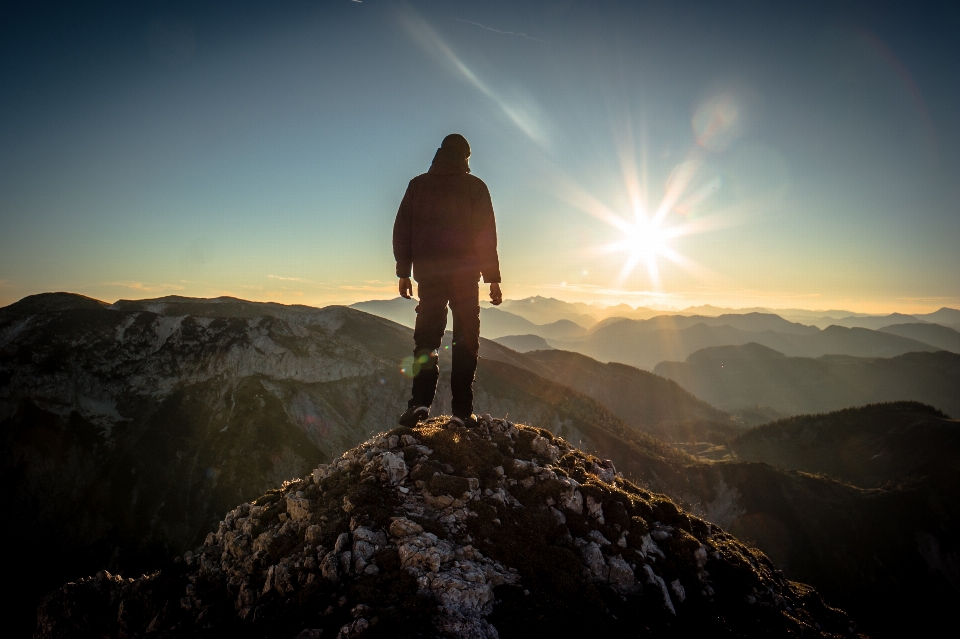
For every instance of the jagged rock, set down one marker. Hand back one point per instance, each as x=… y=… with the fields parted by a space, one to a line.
x=343 y=542
x=542 y=446
x=558 y=516
x=621 y=575
x=649 y=547
x=571 y=499
x=395 y=467
x=595 y=509
x=298 y=507
x=678 y=590
x=597 y=537
x=330 y=567
x=424 y=552
x=656 y=580
x=401 y=527
x=593 y=562
x=345 y=554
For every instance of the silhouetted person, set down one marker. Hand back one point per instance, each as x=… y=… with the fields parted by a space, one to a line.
x=445 y=230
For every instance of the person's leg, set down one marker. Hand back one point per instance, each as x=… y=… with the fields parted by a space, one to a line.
x=431 y=322
x=465 y=305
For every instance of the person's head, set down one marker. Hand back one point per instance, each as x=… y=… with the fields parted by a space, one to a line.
x=456 y=144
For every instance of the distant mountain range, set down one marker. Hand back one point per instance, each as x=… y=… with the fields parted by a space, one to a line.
x=494 y=322
x=751 y=374
x=644 y=343
x=127 y=427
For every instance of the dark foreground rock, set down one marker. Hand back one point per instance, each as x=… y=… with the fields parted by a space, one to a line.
x=502 y=530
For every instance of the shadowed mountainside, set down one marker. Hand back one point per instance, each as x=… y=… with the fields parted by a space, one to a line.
x=868 y=446
x=732 y=376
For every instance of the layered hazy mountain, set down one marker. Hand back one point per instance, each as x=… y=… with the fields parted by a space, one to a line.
x=644 y=401
x=494 y=322
x=643 y=338
x=937 y=335
x=524 y=343
x=129 y=429
x=735 y=376
x=646 y=343
x=949 y=317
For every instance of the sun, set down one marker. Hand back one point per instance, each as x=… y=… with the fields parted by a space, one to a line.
x=645 y=239
x=648 y=231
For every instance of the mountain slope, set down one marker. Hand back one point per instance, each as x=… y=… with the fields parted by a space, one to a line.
x=413 y=534
x=732 y=376
x=524 y=343
x=399 y=310
x=641 y=399
x=936 y=335
x=867 y=447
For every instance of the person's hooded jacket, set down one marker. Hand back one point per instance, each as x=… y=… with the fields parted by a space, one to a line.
x=445 y=228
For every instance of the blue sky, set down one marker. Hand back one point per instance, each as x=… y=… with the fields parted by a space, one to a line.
x=808 y=155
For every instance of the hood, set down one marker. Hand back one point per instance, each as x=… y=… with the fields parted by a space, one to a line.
x=446 y=162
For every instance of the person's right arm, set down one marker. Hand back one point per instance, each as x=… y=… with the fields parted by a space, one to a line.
x=403 y=242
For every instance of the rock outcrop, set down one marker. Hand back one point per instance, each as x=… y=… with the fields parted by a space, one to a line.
x=498 y=531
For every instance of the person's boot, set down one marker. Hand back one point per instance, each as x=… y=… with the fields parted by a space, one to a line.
x=413 y=416
x=468 y=421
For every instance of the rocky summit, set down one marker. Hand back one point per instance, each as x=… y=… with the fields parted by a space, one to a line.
x=502 y=530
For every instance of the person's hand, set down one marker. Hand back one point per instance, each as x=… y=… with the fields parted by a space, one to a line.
x=496 y=296
x=406 y=288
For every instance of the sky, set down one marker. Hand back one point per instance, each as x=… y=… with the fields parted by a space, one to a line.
x=667 y=154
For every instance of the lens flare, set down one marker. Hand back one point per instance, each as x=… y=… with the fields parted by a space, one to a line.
x=717 y=121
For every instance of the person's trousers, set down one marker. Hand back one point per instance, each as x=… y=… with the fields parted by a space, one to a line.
x=464 y=301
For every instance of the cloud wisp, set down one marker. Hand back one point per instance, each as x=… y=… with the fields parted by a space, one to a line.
x=510 y=33
x=146 y=287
